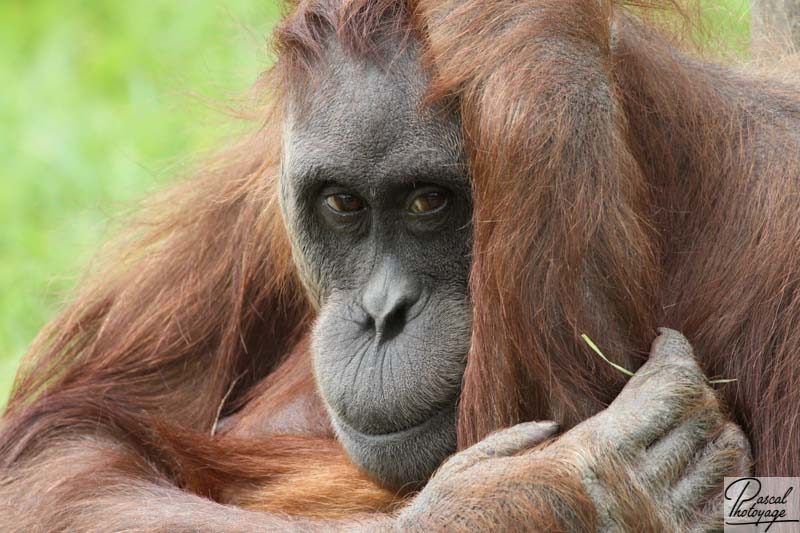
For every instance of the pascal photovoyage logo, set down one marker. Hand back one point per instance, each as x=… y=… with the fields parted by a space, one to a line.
x=759 y=504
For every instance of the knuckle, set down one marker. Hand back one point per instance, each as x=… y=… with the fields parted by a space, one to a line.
x=705 y=419
x=731 y=451
x=683 y=380
x=453 y=462
x=674 y=384
x=705 y=401
x=685 y=371
x=732 y=436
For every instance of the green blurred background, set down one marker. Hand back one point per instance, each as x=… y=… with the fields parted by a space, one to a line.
x=102 y=101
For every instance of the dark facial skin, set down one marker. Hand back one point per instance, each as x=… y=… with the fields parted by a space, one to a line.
x=377 y=201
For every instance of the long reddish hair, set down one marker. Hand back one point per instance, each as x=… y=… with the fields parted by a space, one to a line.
x=599 y=156
x=621 y=184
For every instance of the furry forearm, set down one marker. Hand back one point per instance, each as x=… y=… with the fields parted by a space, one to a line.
x=86 y=485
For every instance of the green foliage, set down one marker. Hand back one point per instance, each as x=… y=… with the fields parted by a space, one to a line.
x=726 y=23
x=95 y=111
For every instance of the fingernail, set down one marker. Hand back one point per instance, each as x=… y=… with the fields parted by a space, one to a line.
x=671 y=343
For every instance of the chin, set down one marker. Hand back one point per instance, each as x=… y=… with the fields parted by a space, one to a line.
x=403 y=459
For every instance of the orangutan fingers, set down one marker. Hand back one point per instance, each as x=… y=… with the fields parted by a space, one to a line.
x=671 y=355
x=659 y=396
x=660 y=404
x=728 y=455
x=502 y=443
x=666 y=459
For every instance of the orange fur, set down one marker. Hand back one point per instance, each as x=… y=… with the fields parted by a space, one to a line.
x=618 y=183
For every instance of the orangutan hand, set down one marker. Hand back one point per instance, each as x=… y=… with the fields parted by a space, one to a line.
x=654 y=460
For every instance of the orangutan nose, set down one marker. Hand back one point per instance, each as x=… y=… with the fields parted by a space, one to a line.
x=387 y=298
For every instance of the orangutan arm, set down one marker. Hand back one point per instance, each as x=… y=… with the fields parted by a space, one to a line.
x=653 y=461
x=94 y=485
x=89 y=485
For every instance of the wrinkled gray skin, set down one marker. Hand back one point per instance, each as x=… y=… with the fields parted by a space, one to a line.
x=393 y=331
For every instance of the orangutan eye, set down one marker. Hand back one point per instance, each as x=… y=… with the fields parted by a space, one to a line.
x=428 y=202
x=344 y=203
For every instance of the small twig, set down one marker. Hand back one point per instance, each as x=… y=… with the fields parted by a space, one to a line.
x=627 y=372
x=222 y=403
x=594 y=347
